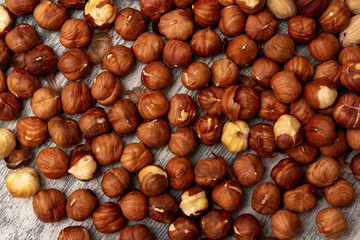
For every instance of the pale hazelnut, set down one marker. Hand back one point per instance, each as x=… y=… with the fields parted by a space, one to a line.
x=49 y=205
x=301 y=199
x=331 y=222
x=248 y=169
x=80 y=204
x=323 y=172
x=235 y=136
x=152 y=180
x=340 y=193
x=100 y=13
x=353 y=6
x=83 y=166
x=350 y=35
x=250 y=7
x=320 y=93
x=177 y=24
x=288 y=132
x=7 y=142
x=23 y=183
x=6 y=22
x=193 y=202
x=282 y=9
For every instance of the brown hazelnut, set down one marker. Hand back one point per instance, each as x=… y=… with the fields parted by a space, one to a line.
x=75 y=232
x=64 y=132
x=156 y=76
x=119 y=60
x=153 y=104
x=177 y=24
x=180 y=172
x=136 y=232
x=2 y=81
x=182 y=110
x=4 y=54
x=196 y=76
x=266 y=198
x=22 y=38
x=262 y=140
x=135 y=157
x=31 y=131
x=232 y=21
x=83 y=165
x=270 y=106
x=74 y=64
x=302 y=29
x=94 y=122
x=263 y=70
x=288 y=132
x=81 y=204
x=335 y=18
x=177 y=54
x=324 y=47
x=337 y=148
x=41 y=60
x=153 y=180
x=349 y=76
x=320 y=130
x=182 y=142
x=52 y=162
x=351 y=53
x=246 y=226
x=303 y=153
x=301 y=110
x=280 y=48
x=22 y=83
x=100 y=13
x=355 y=166
x=228 y=195
x=163 y=208
x=107 y=148
x=261 y=26
x=18 y=157
x=224 y=72
x=49 y=205
x=209 y=172
x=287 y=173
x=130 y=23
x=331 y=223
x=248 y=169
x=148 y=47
x=216 y=224
x=49 y=15
x=21 y=7
x=208 y=128
x=23 y=183
x=301 y=199
x=227 y=3
x=352 y=138
x=320 y=93
x=183 y=228
x=193 y=202
x=106 y=89
x=206 y=43
x=340 y=193
x=302 y=68
x=206 y=13
x=115 y=181
x=311 y=8
x=46 y=103
x=285 y=224
x=9 y=106
x=154 y=9
x=182 y=3
x=250 y=7
x=124 y=117
x=242 y=50
x=330 y=70
x=154 y=133
x=286 y=86
x=346 y=110
x=323 y=172
x=209 y=100
x=134 y=206
x=100 y=44
x=108 y=218
x=72 y=4
x=75 y=98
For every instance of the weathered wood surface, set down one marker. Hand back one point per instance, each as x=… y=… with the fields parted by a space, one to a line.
x=18 y=222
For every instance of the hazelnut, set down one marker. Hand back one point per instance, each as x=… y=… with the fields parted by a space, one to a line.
x=148 y=47
x=287 y=173
x=9 y=106
x=183 y=228
x=124 y=117
x=324 y=47
x=153 y=180
x=209 y=172
x=337 y=148
x=100 y=44
x=331 y=222
x=41 y=60
x=216 y=224
x=107 y=148
x=100 y=13
x=266 y=198
x=182 y=3
x=335 y=18
x=280 y=48
x=353 y=6
x=226 y=3
x=261 y=26
x=302 y=68
x=163 y=208
x=46 y=103
x=208 y=128
x=263 y=70
x=134 y=206
x=232 y=21
x=182 y=110
x=282 y=9
x=2 y=81
x=209 y=100
x=64 y=132
x=17 y=158
x=74 y=64
x=350 y=35
x=154 y=133
x=301 y=199
x=156 y=76
x=49 y=15
x=72 y=4
x=22 y=38
x=323 y=172
x=352 y=138
x=346 y=110
x=193 y=202
x=224 y=72
x=31 y=131
x=83 y=166
x=7 y=142
x=262 y=140
x=340 y=193
x=288 y=132
x=301 y=110
x=246 y=226
x=206 y=43
x=351 y=53
x=355 y=167
x=154 y=9
x=22 y=83
x=177 y=54
x=330 y=70
x=153 y=104
x=115 y=181
x=196 y=76
x=250 y=7
x=302 y=29
x=94 y=122
x=130 y=23
x=108 y=218
x=4 y=54
x=320 y=130
x=182 y=142
x=177 y=24
x=312 y=8
x=349 y=75
x=180 y=172
x=136 y=232
x=106 y=89
x=240 y=102
x=235 y=136
x=119 y=60
x=80 y=204
x=286 y=86
x=242 y=50
x=52 y=162
x=248 y=169
x=228 y=195
x=76 y=232
x=270 y=106
x=303 y=153
x=285 y=224
x=320 y=93
x=23 y=183
x=206 y=13
x=49 y=205
x=75 y=98
x=135 y=157
x=21 y=7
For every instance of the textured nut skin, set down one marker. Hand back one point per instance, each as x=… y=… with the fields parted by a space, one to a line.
x=324 y=47
x=301 y=199
x=346 y=110
x=226 y=3
x=4 y=54
x=177 y=54
x=115 y=181
x=135 y=157
x=330 y=70
x=182 y=111
x=355 y=167
x=266 y=198
x=262 y=71
x=335 y=18
x=74 y=64
x=282 y=9
x=303 y=153
x=180 y=172
x=285 y=224
x=75 y=98
x=235 y=136
x=94 y=122
x=262 y=140
x=119 y=60
x=108 y=218
x=49 y=205
x=52 y=162
x=72 y=4
x=261 y=26
x=337 y=148
x=153 y=104
x=320 y=130
x=196 y=76
x=74 y=233
x=209 y=172
x=301 y=110
x=242 y=46
x=106 y=89
x=22 y=83
x=41 y=60
x=148 y=47
x=152 y=180
x=64 y=132
x=228 y=195
x=46 y=103
x=2 y=81
x=154 y=133
x=49 y=15
x=302 y=29
x=100 y=44
x=320 y=93
x=352 y=138
x=130 y=23
x=286 y=86
x=100 y=13
x=287 y=173
x=156 y=76
x=323 y=172
x=270 y=107
x=351 y=53
x=232 y=21
x=182 y=142
x=134 y=206
x=216 y=224
x=80 y=204
x=246 y=226
x=331 y=222
x=349 y=75
x=22 y=38
x=136 y=232
x=311 y=8
x=340 y=193
x=193 y=202
x=183 y=228
x=83 y=165
x=288 y=132
x=209 y=100
x=248 y=169
x=9 y=106
x=182 y=3
x=279 y=54
x=107 y=148
x=154 y=9
x=124 y=117
x=302 y=68
x=177 y=24
x=208 y=128
x=163 y=208
x=31 y=131
x=206 y=43
x=21 y=7
x=224 y=72
x=206 y=13
x=23 y=183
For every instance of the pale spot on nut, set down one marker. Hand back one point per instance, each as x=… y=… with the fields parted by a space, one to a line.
x=159 y=210
x=235 y=136
x=172 y=227
x=109 y=56
x=154 y=170
x=233 y=187
x=84 y=169
x=193 y=205
x=101 y=120
x=326 y=97
x=72 y=202
x=183 y=116
x=5 y=20
x=236 y=231
x=146 y=74
x=288 y=125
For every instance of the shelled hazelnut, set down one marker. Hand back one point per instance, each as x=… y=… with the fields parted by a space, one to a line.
x=302 y=29
x=206 y=13
x=180 y=172
x=247 y=226
x=340 y=193
x=156 y=76
x=270 y=107
x=22 y=38
x=320 y=130
x=287 y=173
x=324 y=47
x=209 y=100
x=74 y=64
x=134 y=206
x=163 y=208
x=75 y=98
x=83 y=166
x=349 y=75
x=196 y=76
x=248 y=169
x=108 y=218
x=107 y=148
x=183 y=228
x=311 y=8
x=303 y=153
x=263 y=70
x=129 y=24
x=209 y=172
x=106 y=89
x=323 y=172
x=182 y=142
x=337 y=148
x=261 y=26
x=193 y=202
x=21 y=7
x=288 y=132
x=9 y=106
x=41 y=60
x=286 y=86
x=154 y=133
x=331 y=222
x=301 y=110
x=235 y=136
x=283 y=9
x=232 y=21
x=330 y=70
x=64 y=132
x=182 y=110
x=22 y=83
x=115 y=181
x=81 y=204
x=49 y=205
x=100 y=44
x=148 y=47
x=301 y=199
x=216 y=224
x=351 y=53
x=31 y=131
x=100 y=13
x=242 y=50
x=72 y=4
x=135 y=157
x=135 y=232
x=335 y=18
x=224 y=72
x=206 y=43
x=155 y=9
x=46 y=103
x=7 y=142
x=228 y=195
x=152 y=180
x=76 y=232
x=49 y=15
x=153 y=105
x=355 y=166
x=346 y=110
x=119 y=60
x=4 y=53
x=302 y=68
x=208 y=128
x=266 y=198
x=262 y=140
x=352 y=138
x=177 y=24
x=52 y=162
x=124 y=117
x=285 y=224
x=23 y=183
x=177 y=54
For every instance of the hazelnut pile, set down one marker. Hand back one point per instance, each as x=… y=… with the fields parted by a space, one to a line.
x=302 y=110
